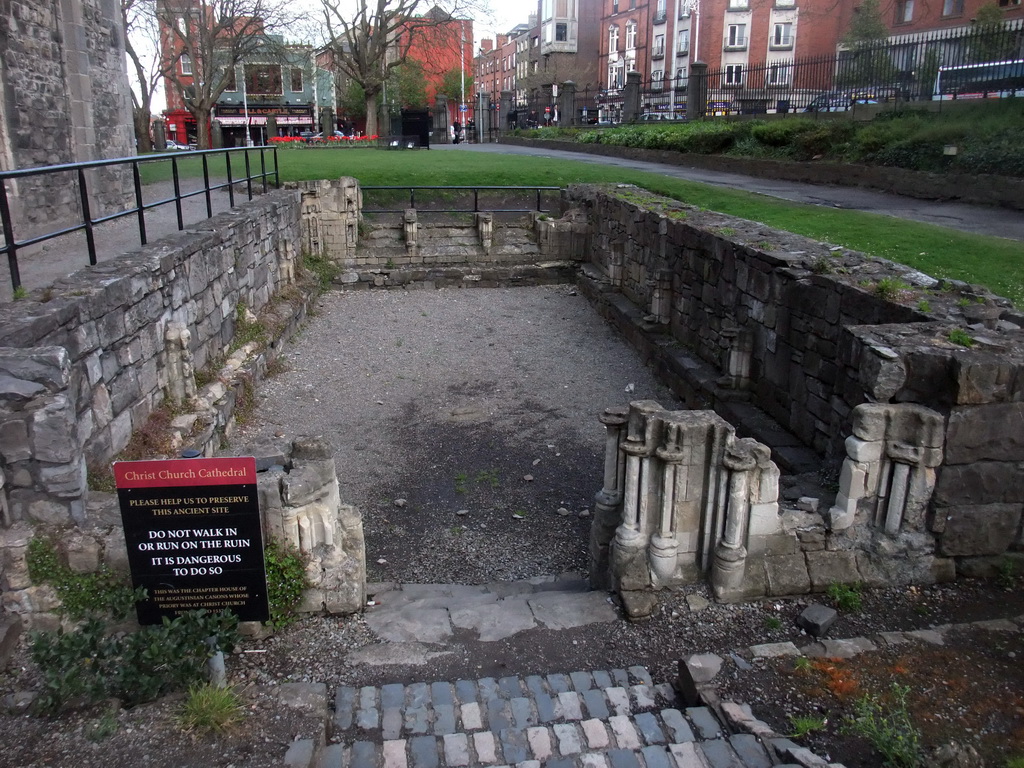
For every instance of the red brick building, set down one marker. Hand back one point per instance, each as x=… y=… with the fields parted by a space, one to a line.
x=442 y=46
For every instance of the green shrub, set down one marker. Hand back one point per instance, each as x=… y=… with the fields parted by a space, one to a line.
x=781 y=133
x=88 y=665
x=824 y=138
x=286 y=581
x=846 y=596
x=102 y=593
x=887 y=726
x=208 y=708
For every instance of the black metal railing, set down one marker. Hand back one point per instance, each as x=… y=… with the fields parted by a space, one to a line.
x=477 y=207
x=11 y=244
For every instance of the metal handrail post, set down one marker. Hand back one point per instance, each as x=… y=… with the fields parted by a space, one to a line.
x=231 y=184
x=83 y=193
x=177 y=193
x=248 y=174
x=206 y=188
x=12 y=245
x=263 y=169
x=277 y=170
x=476 y=201
x=141 y=211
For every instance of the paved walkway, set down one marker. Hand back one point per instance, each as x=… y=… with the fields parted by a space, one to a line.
x=967 y=218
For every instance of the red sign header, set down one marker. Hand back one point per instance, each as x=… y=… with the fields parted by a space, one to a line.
x=185 y=472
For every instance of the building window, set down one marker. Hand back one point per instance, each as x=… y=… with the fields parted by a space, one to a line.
x=739 y=5
x=737 y=36
x=630 y=35
x=778 y=74
x=263 y=79
x=953 y=7
x=680 y=77
x=657 y=80
x=615 y=6
x=1008 y=3
x=785 y=3
x=683 y=42
x=296 y=80
x=660 y=14
x=659 y=46
x=782 y=35
x=904 y=11
x=231 y=80
x=734 y=74
x=613 y=38
x=561 y=32
x=186 y=64
x=632 y=4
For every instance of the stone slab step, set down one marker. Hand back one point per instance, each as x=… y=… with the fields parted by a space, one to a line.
x=397 y=711
x=537 y=747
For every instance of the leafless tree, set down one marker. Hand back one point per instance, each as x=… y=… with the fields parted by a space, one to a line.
x=142 y=44
x=215 y=35
x=369 y=38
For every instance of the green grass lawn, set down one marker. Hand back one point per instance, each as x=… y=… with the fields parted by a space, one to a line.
x=993 y=262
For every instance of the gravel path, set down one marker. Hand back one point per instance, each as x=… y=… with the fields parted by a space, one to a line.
x=450 y=400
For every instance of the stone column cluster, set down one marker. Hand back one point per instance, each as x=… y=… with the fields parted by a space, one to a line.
x=331 y=211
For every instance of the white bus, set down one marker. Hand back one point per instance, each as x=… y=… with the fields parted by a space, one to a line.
x=990 y=80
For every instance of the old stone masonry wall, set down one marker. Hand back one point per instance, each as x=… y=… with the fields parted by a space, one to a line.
x=916 y=404
x=65 y=99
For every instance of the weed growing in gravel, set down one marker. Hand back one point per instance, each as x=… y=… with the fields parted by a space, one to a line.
x=458 y=530
x=208 y=708
x=802 y=664
x=247 y=329
x=460 y=482
x=321 y=268
x=772 y=622
x=489 y=476
x=847 y=597
x=20 y=293
x=1006 y=574
x=822 y=265
x=805 y=724
x=891 y=289
x=924 y=305
x=1015 y=762
x=102 y=728
x=887 y=726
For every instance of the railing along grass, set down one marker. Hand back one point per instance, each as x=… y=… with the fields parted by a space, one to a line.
x=993 y=262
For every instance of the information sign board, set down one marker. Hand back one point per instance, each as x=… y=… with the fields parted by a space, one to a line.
x=194 y=538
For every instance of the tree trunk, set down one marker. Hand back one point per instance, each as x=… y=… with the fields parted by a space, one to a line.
x=141 y=118
x=202 y=116
x=371 y=113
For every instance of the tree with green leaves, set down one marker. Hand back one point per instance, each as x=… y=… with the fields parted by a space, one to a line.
x=991 y=40
x=866 y=63
x=454 y=84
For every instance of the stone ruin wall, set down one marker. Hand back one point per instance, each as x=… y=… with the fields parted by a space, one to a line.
x=65 y=99
x=926 y=434
x=421 y=251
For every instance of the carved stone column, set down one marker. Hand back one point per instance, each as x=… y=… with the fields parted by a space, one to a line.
x=608 y=501
x=741 y=459
x=485 y=230
x=628 y=565
x=664 y=545
x=409 y=228
x=181 y=372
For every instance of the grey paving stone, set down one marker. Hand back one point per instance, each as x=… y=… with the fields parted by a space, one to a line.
x=559 y=683
x=569 y=741
x=419 y=694
x=363 y=755
x=560 y=610
x=648 y=726
x=602 y=679
x=522 y=712
x=391 y=722
x=498 y=715
x=561 y=762
x=495 y=621
x=707 y=727
x=486 y=747
x=624 y=732
x=529 y=764
x=569 y=703
x=535 y=685
x=618 y=700
x=367 y=697
x=665 y=692
x=594 y=760
x=719 y=754
x=423 y=750
x=514 y=746
x=456 y=749
x=750 y=751
x=688 y=755
x=545 y=708
x=330 y=756
x=300 y=754
x=642 y=696
x=581 y=681
x=465 y=690
x=620 y=677
x=344 y=706
x=393 y=753
x=442 y=694
x=488 y=688
x=595 y=703
x=368 y=719
x=540 y=742
x=471 y=716
x=392 y=695
x=510 y=687
x=410 y=624
x=444 y=719
x=678 y=729
x=417 y=719
x=623 y=758
x=657 y=757
x=641 y=675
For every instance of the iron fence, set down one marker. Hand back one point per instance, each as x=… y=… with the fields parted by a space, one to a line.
x=87 y=222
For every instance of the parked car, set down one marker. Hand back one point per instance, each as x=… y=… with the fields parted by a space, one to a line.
x=175 y=146
x=838 y=102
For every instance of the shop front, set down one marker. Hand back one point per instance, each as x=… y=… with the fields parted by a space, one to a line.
x=291 y=120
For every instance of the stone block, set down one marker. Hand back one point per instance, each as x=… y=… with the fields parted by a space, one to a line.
x=816 y=619
x=992 y=482
x=984 y=529
x=83 y=553
x=52 y=431
x=825 y=568
x=14 y=440
x=787 y=575
x=985 y=433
